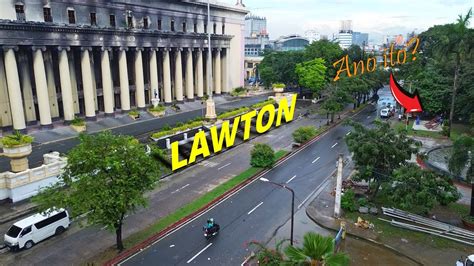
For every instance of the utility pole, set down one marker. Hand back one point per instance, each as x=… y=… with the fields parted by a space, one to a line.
x=210 y=105
x=337 y=205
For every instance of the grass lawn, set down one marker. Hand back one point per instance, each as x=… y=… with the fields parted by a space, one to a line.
x=182 y=212
x=457 y=130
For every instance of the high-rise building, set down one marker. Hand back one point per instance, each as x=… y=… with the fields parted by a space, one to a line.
x=360 y=39
x=256 y=35
x=66 y=58
x=345 y=34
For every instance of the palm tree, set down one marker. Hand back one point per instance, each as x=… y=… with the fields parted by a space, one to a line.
x=461 y=155
x=316 y=250
x=456 y=45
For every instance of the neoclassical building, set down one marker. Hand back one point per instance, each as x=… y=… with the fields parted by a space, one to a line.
x=67 y=58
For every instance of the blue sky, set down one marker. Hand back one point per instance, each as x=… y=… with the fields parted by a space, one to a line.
x=378 y=18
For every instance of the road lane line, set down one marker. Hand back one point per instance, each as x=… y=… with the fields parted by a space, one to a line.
x=184 y=186
x=334 y=145
x=291 y=179
x=223 y=166
x=199 y=253
x=315 y=160
x=248 y=213
x=179 y=189
x=368 y=117
x=348 y=133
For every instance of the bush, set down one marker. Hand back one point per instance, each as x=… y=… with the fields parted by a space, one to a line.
x=305 y=133
x=17 y=139
x=262 y=155
x=348 y=201
x=363 y=202
x=278 y=85
x=134 y=113
x=233 y=113
x=262 y=104
x=159 y=108
x=78 y=122
x=238 y=91
x=167 y=130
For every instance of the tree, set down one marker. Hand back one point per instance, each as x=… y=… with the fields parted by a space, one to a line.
x=336 y=98
x=378 y=151
x=454 y=47
x=417 y=190
x=316 y=250
x=311 y=74
x=462 y=157
x=329 y=51
x=304 y=133
x=105 y=178
x=280 y=67
x=262 y=155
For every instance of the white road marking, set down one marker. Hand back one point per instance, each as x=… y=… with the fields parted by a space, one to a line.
x=320 y=187
x=179 y=189
x=334 y=145
x=368 y=117
x=315 y=160
x=199 y=253
x=248 y=213
x=223 y=166
x=289 y=180
x=348 y=133
x=171 y=246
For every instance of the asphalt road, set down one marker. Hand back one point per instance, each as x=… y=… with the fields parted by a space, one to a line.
x=136 y=129
x=256 y=212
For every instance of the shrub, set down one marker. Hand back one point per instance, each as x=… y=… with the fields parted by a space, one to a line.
x=16 y=139
x=303 y=134
x=348 y=201
x=134 y=113
x=262 y=155
x=278 y=85
x=234 y=112
x=262 y=104
x=78 y=122
x=238 y=91
x=363 y=202
x=165 y=128
x=159 y=108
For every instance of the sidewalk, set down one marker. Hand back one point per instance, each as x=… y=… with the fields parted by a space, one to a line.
x=321 y=211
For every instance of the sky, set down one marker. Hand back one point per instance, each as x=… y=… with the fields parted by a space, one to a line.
x=376 y=17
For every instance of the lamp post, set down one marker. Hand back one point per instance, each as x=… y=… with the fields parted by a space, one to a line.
x=292 y=204
x=210 y=106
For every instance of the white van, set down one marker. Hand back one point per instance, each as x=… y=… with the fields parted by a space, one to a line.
x=31 y=230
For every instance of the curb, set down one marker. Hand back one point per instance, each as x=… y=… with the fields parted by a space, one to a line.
x=364 y=239
x=16 y=215
x=149 y=241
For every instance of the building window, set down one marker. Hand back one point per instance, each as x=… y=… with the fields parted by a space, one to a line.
x=93 y=19
x=249 y=65
x=205 y=28
x=184 y=26
x=159 y=24
x=145 y=23
x=172 y=25
x=214 y=28
x=223 y=29
x=195 y=27
x=130 y=22
x=20 y=12
x=72 y=16
x=112 y=20
x=47 y=14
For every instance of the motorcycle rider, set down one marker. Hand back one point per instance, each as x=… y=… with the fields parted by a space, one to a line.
x=210 y=223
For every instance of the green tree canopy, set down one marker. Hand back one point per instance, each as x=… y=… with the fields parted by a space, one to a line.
x=280 y=67
x=262 y=155
x=378 y=151
x=417 y=190
x=311 y=74
x=329 y=51
x=105 y=178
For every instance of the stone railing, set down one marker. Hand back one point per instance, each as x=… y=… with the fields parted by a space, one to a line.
x=23 y=185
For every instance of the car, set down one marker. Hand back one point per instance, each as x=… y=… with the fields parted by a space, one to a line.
x=384 y=113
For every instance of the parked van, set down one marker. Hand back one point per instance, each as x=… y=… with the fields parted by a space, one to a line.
x=33 y=229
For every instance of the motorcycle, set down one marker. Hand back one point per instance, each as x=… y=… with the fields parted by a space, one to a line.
x=210 y=232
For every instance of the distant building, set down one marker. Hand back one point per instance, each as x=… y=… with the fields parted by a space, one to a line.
x=256 y=35
x=290 y=43
x=312 y=35
x=360 y=39
x=345 y=34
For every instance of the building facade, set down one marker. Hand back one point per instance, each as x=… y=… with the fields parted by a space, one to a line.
x=256 y=36
x=359 y=38
x=70 y=58
x=290 y=43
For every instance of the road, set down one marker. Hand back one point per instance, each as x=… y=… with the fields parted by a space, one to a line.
x=136 y=129
x=255 y=212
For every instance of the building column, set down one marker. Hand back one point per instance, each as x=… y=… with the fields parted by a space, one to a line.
x=14 y=90
x=200 y=74
x=124 y=86
x=25 y=83
x=66 y=87
x=87 y=84
x=5 y=111
x=167 y=75
x=189 y=75
x=72 y=72
x=107 y=84
x=139 y=80
x=41 y=87
x=53 y=98
x=178 y=76
x=217 y=72
x=154 y=75
x=225 y=67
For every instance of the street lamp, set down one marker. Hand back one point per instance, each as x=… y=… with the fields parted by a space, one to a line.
x=210 y=106
x=292 y=204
